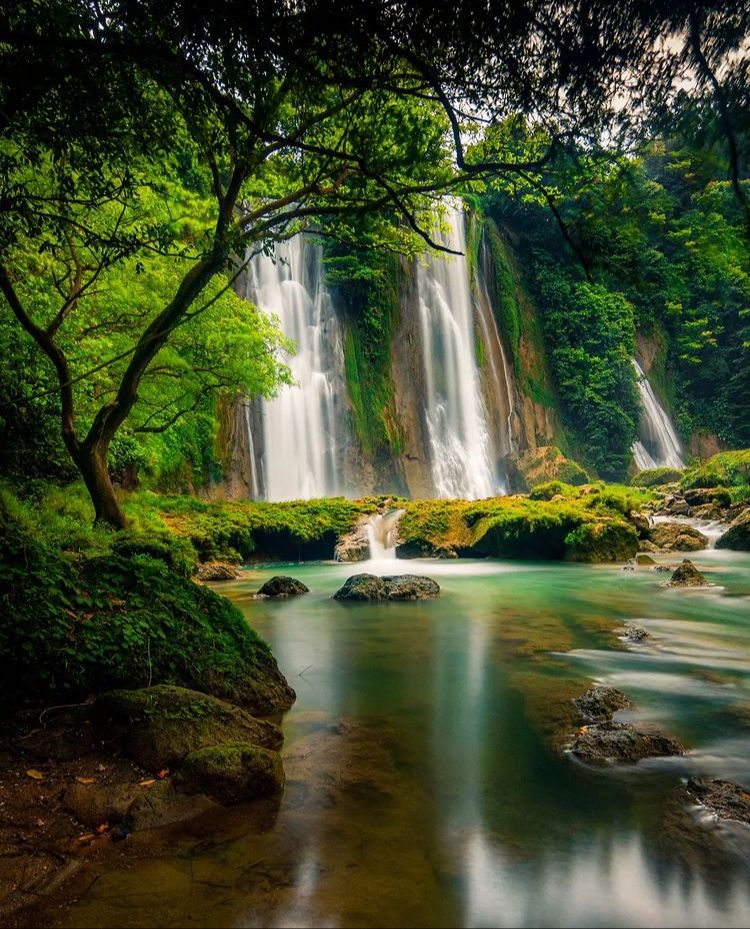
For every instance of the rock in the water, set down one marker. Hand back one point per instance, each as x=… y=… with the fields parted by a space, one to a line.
x=410 y=587
x=159 y=726
x=676 y=505
x=162 y=805
x=634 y=633
x=283 y=586
x=725 y=799
x=677 y=537
x=369 y=587
x=687 y=575
x=355 y=545
x=737 y=536
x=231 y=773
x=640 y=521
x=600 y=703
x=215 y=571
x=621 y=742
x=362 y=587
x=642 y=558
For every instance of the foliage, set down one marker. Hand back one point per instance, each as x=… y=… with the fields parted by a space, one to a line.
x=76 y=626
x=726 y=469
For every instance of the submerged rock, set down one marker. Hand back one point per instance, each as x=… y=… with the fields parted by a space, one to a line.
x=677 y=537
x=231 y=773
x=370 y=587
x=622 y=742
x=159 y=726
x=687 y=575
x=283 y=586
x=601 y=703
x=737 y=536
x=725 y=799
x=642 y=558
x=215 y=571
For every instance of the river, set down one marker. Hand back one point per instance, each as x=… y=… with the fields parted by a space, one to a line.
x=426 y=778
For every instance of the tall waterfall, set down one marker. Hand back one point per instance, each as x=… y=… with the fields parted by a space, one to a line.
x=298 y=457
x=460 y=448
x=657 y=445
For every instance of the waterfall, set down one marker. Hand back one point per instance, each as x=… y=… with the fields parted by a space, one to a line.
x=381 y=534
x=460 y=457
x=298 y=451
x=657 y=445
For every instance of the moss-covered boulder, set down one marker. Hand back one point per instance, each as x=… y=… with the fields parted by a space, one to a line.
x=231 y=773
x=677 y=537
x=362 y=587
x=657 y=477
x=283 y=586
x=687 y=575
x=159 y=726
x=737 y=536
x=601 y=541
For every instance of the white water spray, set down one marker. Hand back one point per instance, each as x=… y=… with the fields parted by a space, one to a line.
x=657 y=445
x=381 y=534
x=460 y=456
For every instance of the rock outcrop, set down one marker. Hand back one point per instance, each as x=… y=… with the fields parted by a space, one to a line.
x=601 y=703
x=159 y=726
x=610 y=741
x=677 y=537
x=283 y=586
x=687 y=575
x=723 y=798
x=231 y=773
x=215 y=571
x=737 y=536
x=355 y=545
x=371 y=588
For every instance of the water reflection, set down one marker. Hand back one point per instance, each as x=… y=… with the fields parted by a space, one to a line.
x=423 y=782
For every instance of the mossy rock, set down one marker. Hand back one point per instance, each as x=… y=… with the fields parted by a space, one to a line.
x=283 y=586
x=677 y=537
x=622 y=742
x=657 y=477
x=687 y=575
x=547 y=463
x=737 y=536
x=231 y=773
x=602 y=542
x=159 y=726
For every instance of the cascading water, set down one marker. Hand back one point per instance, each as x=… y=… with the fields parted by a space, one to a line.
x=460 y=452
x=381 y=534
x=298 y=457
x=657 y=445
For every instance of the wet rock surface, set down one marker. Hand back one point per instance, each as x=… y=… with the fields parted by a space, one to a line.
x=600 y=703
x=610 y=741
x=231 y=773
x=634 y=633
x=687 y=575
x=355 y=545
x=723 y=798
x=677 y=537
x=159 y=726
x=283 y=586
x=371 y=588
x=737 y=536
x=215 y=571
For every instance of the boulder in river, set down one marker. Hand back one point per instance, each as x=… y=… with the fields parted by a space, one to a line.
x=634 y=633
x=610 y=741
x=723 y=798
x=601 y=703
x=231 y=773
x=159 y=726
x=283 y=586
x=677 y=537
x=643 y=559
x=687 y=575
x=370 y=587
x=737 y=536
x=215 y=571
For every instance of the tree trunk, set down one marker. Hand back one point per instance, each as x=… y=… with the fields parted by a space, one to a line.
x=92 y=462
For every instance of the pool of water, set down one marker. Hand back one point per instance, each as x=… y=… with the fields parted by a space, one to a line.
x=427 y=782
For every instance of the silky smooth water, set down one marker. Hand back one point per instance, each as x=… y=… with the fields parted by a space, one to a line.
x=426 y=778
x=658 y=445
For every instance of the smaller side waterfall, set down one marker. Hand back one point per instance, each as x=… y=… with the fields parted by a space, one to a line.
x=657 y=445
x=381 y=534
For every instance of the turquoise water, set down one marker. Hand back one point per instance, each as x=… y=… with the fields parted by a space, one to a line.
x=427 y=782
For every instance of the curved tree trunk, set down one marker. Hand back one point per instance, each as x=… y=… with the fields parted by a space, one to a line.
x=92 y=463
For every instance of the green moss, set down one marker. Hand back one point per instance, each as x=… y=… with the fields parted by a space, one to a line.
x=726 y=469
x=654 y=477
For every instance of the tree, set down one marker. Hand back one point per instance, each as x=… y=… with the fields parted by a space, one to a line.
x=285 y=114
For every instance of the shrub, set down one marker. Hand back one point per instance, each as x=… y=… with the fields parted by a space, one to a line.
x=654 y=477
